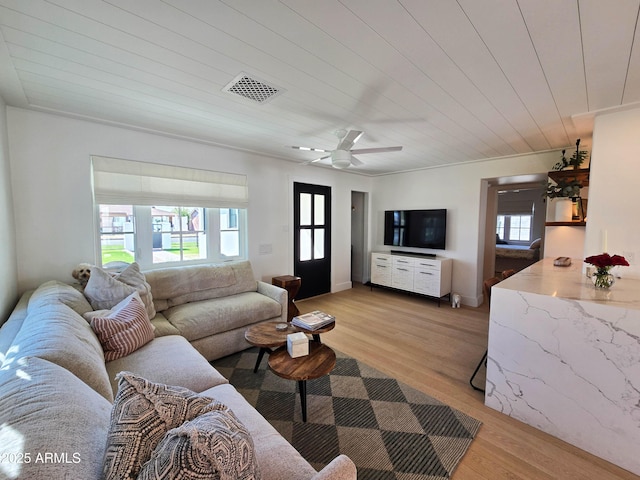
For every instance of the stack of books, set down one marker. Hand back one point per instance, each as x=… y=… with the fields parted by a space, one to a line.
x=313 y=320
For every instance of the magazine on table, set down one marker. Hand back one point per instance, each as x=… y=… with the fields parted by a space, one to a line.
x=313 y=320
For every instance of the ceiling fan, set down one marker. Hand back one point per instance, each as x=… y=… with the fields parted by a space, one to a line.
x=342 y=156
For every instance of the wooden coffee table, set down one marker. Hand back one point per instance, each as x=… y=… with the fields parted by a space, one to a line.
x=265 y=336
x=319 y=362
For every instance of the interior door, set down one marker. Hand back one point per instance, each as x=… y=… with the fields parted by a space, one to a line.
x=312 y=238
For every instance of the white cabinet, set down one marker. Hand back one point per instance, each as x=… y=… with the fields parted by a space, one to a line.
x=381 y=266
x=413 y=273
x=402 y=273
x=432 y=277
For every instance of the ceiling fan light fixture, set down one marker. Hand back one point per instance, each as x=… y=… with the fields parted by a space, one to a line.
x=340 y=159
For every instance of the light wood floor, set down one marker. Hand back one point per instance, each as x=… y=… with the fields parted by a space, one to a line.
x=436 y=350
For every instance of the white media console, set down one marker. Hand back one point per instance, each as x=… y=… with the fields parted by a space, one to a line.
x=414 y=273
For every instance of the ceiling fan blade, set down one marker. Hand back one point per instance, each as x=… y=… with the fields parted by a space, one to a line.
x=349 y=139
x=308 y=162
x=310 y=149
x=355 y=162
x=376 y=150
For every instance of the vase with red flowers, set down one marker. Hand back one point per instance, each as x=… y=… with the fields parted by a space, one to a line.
x=602 y=277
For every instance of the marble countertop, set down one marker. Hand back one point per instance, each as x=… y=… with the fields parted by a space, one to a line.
x=571 y=283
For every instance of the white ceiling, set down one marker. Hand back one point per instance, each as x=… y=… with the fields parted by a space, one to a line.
x=450 y=81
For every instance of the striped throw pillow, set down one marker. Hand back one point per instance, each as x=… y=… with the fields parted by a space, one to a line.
x=125 y=329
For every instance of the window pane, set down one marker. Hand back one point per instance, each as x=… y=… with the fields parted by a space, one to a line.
x=305 y=245
x=177 y=234
x=230 y=243
x=318 y=244
x=318 y=210
x=229 y=233
x=305 y=209
x=520 y=227
x=500 y=226
x=117 y=240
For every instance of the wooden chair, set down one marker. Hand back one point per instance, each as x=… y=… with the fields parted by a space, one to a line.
x=487 y=284
x=507 y=273
x=486 y=289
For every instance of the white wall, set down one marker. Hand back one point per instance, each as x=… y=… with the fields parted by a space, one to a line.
x=55 y=223
x=459 y=189
x=613 y=188
x=50 y=166
x=564 y=241
x=8 y=272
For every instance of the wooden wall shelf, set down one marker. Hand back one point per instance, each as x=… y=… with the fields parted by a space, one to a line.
x=566 y=224
x=581 y=175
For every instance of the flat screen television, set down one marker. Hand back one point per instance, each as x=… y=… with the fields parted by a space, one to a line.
x=416 y=228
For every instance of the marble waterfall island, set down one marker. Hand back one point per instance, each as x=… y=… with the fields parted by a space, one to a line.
x=564 y=357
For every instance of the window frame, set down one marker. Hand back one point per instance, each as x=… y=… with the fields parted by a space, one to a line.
x=143 y=238
x=507 y=227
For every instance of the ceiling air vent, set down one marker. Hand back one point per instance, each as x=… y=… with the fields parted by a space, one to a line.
x=252 y=89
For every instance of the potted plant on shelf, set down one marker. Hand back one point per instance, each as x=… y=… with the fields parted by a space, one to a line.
x=566 y=189
x=576 y=160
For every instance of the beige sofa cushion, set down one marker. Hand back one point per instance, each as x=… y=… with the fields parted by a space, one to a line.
x=162 y=327
x=56 y=333
x=169 y=360
x=12 y=326
x=46 y=409
x=178 y=285
x=276 y=457
x=209 y=317
x=54 y=292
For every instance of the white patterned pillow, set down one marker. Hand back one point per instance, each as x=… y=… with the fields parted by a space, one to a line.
x=105 y=290
x=124 y=329
x=213 y=445
x=143 y=412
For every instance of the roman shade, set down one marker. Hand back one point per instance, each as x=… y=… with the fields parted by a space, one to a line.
x=117 y=181
x=514 y=206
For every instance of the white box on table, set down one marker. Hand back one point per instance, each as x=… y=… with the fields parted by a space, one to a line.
x=297 y=344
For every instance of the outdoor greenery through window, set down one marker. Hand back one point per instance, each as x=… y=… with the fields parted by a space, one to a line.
x=169 y=234
x=516 y=227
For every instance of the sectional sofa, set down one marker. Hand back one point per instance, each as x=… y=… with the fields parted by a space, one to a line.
x=61 y=403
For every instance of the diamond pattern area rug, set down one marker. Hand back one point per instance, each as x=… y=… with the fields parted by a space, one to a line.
x=388 y=429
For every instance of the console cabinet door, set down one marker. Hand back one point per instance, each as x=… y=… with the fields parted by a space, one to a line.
x=427 y=278
x=402 y=275
x=381 y=266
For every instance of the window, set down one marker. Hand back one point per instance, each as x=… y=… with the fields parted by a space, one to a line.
x=516 y=227
x=312 y=223
x=169 y=235
x=136 y=224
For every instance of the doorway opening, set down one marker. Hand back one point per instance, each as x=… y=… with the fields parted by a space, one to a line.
x=359 y=239
x=514 y=223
